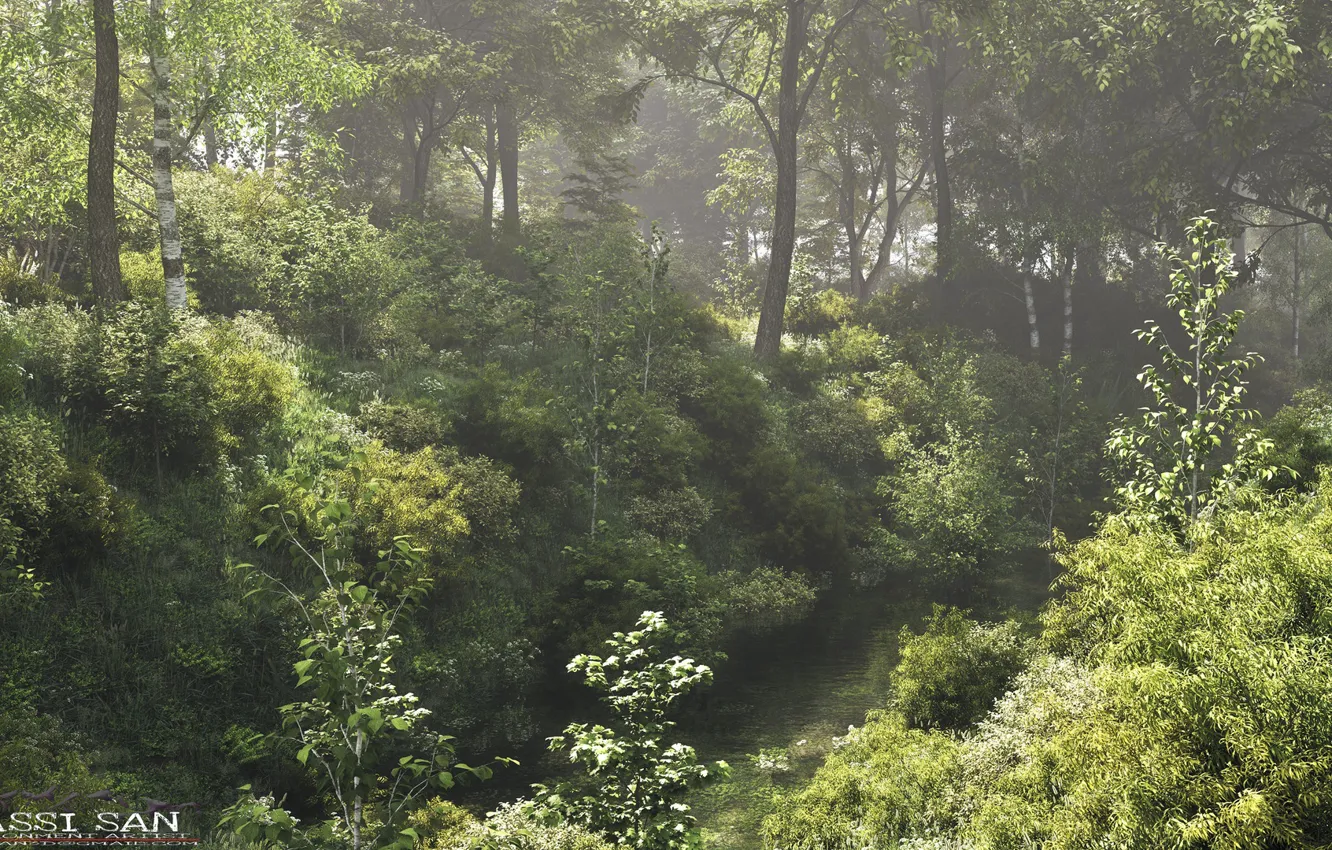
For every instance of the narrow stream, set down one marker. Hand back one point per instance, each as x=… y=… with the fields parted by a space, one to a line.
x=794 y=689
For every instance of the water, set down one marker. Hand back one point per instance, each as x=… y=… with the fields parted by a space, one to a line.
x=796 y=690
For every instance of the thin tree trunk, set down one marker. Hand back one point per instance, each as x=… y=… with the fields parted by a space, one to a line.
x=846 y=207
x=210 y=145
x=1067 y=280
x=173 y=266
x=506 y=130
x=891 y=222
x=271 y=143
x=407 y=178
x=103 y=231
x=943 y=190
x=488 y=186
x=1029 y=296
x=768 y=341
x=1298 y=270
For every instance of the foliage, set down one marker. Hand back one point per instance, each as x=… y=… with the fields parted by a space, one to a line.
x=525 y=826
x=882 y=783
x=634 y=779
x=355 y=723
x=957 y=513
x=950 y=675
x=1300 y=434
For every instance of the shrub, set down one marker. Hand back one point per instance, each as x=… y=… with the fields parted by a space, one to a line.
x=818 y=313
x=882 y=783
x=1301 y=434
x=31 y=469
x=949 y=676
x=404 y=427
x=524 y=826
x=434 y=495
x=164 y=386
x=635 y=781
x=956 y=510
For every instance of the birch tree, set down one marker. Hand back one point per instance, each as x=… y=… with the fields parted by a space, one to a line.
x=229 y=65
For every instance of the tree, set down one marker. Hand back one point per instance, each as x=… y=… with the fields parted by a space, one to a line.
x=863 y=143
x=354 y=726
x=635 y=781
x=737 y=48
x=103 y=229
x=201 y=73
x=1168 y=456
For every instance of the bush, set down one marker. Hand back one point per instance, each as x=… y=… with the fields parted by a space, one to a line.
x=31 y=469
x=404 y=427
x=1301 y=434
x=435 y=496
x=325 y=273
x=956 y=511
x=513 y=826
x=950 y=675
x=163 y=386
x=883 y=783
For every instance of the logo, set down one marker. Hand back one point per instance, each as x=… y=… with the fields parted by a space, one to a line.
x=154 y=823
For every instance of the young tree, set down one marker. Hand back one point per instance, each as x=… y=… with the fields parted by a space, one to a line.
x=1197 y=394
x=635 y=781
x=366 y=741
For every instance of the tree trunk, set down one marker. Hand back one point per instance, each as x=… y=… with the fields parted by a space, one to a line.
x=173 y=266
x=103 y=231
x=506 y=129
x=488 y=186
x=768 y=341
x=1066 y=276
x=270 y=143
x=407 y=177
x=846 y=203
x=1029 y=296
x=1298 y=272
x=943 y=190
x=210 y=145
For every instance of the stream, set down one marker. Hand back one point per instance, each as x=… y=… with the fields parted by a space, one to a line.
x=796 y=689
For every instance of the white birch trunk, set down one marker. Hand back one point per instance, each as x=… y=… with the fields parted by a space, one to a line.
x=173 y=266
x=1295 y=293
x=1031 y=312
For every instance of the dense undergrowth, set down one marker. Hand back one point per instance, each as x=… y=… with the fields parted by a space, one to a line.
x=569 y=444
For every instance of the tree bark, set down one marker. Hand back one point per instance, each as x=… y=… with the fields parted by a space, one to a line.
x=1298 y=272
x=488 y=185
x=846 y=207
x=1032 y=327
x=210 y=145
x=1066 y=278
x=417 y=147
x=173 y=266
x=506 y=129
x=406 y=178
x=270 y=143
x=768 y=341
x=943 y=190
x=103 y=230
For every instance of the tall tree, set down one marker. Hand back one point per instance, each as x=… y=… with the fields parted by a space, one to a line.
x=737 y=48
x=164 y=190
x=103 y=230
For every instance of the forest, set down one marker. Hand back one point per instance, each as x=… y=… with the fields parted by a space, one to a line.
x=666 y=424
